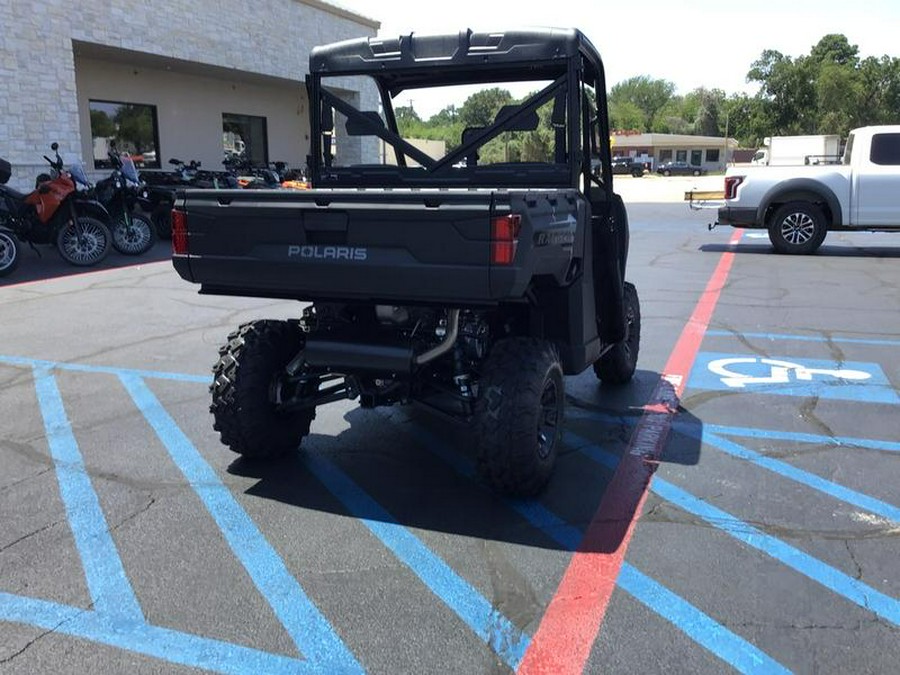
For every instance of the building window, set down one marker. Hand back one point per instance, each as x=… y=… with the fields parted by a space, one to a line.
x=712 y=155
x=665 y=156
x=245 y=137
x=885 y=149
x=124 y=128
x=681 y=155
x=696 y=157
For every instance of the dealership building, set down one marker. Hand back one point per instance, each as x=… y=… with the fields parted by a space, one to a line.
x=195 y=80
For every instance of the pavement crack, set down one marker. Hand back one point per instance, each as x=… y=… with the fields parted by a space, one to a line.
x=33 y=533
x=859 y=572
x=42 y=635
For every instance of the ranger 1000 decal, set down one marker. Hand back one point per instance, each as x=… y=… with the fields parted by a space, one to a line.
x=328 y=252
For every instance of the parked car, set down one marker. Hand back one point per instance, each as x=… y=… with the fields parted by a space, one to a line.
x=680 y=169
x=627 y=165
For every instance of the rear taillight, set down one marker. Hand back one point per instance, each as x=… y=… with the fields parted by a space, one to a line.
x=505 y=238
x=731 y=186
x=179 y=233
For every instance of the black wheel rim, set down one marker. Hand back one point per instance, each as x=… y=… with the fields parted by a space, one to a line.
x=131 y=235
x=548 y=419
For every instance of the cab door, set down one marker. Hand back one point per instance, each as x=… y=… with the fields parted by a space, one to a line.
x=877 y=183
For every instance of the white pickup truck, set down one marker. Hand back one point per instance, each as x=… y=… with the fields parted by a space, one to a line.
x=799 y=205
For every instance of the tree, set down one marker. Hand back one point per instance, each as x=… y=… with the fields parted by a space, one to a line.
x=101 y=125
x=135 y=127
x=647 y=94
x=625 y=115
x=480 y=109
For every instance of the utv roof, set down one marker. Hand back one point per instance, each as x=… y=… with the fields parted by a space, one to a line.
x=463 y=52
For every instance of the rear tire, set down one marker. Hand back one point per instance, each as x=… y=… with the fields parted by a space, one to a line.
x=9 y=252
x=798 y=228
x=134 y=239
x=519 y=415
x=90 y=249
x=244 y=414
x=617 y=366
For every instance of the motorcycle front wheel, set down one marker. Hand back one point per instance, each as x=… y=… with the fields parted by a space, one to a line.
x=134 y=235
x=9 y=252
x=84 y=242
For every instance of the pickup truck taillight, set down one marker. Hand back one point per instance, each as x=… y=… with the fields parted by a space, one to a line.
x=731 y=186
x=179 y=232
x=505 y=238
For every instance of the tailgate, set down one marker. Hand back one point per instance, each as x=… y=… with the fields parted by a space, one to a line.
x=354 y=245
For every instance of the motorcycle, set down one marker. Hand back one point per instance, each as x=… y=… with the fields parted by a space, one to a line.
x=160 y=187
x=53 y=213
x=132 y=233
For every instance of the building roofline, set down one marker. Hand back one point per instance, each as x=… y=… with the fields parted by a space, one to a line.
x=344 y=13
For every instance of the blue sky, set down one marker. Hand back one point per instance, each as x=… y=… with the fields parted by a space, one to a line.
x=708 y=43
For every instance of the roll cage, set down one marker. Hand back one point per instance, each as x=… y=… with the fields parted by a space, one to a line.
x=564 y=59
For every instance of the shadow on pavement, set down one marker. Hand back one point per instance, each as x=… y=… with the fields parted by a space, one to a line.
x=408 y=466
x=49 y=265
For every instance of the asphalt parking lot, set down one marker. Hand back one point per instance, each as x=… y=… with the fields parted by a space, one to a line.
x=764 y=539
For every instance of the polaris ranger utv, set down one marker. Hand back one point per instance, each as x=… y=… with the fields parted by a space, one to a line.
x=470 y=283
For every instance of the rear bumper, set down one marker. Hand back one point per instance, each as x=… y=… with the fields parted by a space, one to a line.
x=738 y=216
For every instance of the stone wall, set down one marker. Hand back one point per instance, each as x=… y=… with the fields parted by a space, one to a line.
x=37 y=64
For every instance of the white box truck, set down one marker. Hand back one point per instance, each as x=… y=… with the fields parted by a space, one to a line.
x=799 y=150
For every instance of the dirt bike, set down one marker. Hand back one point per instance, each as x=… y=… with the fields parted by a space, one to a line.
x=53 y=213
x=132 y=233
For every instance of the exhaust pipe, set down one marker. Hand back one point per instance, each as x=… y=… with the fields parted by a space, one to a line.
x=446 y=345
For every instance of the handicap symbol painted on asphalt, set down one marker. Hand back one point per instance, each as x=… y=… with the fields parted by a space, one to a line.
x=781 y=372
x=849 y=381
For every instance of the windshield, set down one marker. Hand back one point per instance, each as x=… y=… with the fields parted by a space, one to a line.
x=76 y=170
x=129 y=170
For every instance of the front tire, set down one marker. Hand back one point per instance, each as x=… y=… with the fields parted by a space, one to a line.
x=797 y=228
x=519 y=415
x=244 y=413
x=84 y=242
x=9 y=252
x=134 y=235
x=617 y=366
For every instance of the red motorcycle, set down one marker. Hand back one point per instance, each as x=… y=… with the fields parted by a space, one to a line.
x=54 y=213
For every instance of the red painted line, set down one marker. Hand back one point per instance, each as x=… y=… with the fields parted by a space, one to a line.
x=566 y=634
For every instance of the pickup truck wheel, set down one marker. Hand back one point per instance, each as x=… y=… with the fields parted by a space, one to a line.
x=797 y=227
x=617 y=366
x=243 y=411
x=519 y=415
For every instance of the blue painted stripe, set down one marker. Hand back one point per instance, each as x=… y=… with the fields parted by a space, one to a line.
x=844 y=585
x=141 y=638
x=748 y=432
x=716 y=638
x=802 y=338
x=816 y=439
x=310 y=631
x=844 y=494
x=498 y=632
x=82 y=368
x=701 y=628
x=106 y=579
